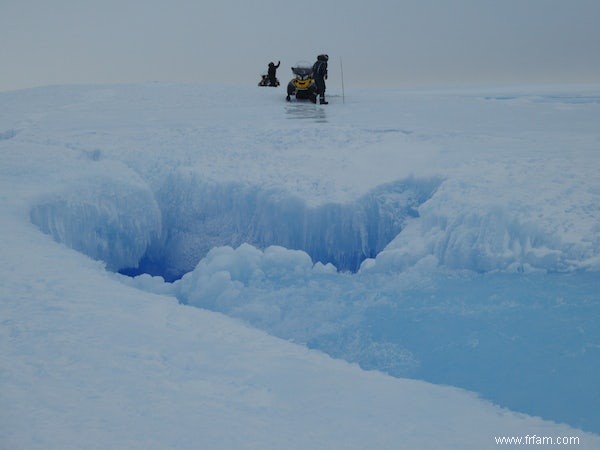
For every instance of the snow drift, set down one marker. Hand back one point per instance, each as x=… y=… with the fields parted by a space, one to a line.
x=127 y=226
x=112 y=218
x=394 y=226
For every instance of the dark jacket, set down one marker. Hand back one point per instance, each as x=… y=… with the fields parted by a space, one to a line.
x=320 y=73
x=320 y=68
x=273 y=70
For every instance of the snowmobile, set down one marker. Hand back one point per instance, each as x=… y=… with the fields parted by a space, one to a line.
x=303 y=84
x=266 y=82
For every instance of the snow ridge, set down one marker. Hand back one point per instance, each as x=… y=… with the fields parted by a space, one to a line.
x=168 y=232
x=200 y=215
x=107 y=218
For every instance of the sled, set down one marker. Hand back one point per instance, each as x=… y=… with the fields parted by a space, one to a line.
x=266 y=82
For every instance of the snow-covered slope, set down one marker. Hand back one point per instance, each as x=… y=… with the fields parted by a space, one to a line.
x=470 y=221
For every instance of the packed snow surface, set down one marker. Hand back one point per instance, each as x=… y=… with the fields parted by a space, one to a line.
x=445 y=236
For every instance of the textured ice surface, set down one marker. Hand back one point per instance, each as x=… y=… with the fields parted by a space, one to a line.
x=472 y=218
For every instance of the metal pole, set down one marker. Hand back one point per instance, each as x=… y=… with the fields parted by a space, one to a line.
x=342 y=71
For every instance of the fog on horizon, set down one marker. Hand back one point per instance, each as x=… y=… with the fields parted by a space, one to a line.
x=381 y=43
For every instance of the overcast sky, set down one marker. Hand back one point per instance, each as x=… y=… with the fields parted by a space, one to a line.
x=381 y=42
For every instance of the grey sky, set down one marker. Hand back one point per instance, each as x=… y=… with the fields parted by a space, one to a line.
x=382 y=42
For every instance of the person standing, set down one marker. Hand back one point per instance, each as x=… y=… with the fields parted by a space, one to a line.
x=320 y=75
x=272 y=73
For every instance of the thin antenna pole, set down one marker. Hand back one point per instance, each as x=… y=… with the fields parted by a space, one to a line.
x=342 y=71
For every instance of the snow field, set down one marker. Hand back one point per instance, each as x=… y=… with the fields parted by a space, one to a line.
x=471 y=221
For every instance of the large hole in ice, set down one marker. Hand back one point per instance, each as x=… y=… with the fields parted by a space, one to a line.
x=168 y=231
